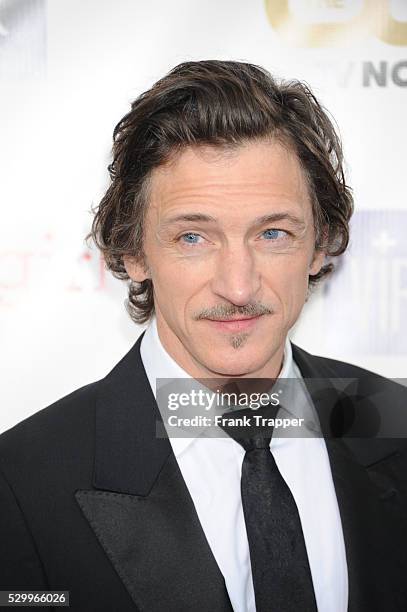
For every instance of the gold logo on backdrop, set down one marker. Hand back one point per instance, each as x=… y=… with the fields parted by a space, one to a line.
x=374 y=17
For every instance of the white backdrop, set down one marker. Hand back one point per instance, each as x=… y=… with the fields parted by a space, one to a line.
x=68 y=72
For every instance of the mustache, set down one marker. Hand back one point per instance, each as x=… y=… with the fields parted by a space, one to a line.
x=223 y=311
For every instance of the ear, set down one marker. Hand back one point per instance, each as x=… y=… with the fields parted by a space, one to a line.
x=136 y=269
x=317 y=262
x=319 y=255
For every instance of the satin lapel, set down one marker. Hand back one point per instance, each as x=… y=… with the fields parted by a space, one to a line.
x=141 y=510
x=365 y=527
x=362 y=505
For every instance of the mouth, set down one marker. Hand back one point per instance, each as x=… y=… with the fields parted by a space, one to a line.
x=236 y=324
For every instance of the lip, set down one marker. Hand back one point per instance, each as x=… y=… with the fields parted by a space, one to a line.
x=235 y=325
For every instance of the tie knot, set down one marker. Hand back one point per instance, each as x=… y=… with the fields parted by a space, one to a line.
x=251 y=429
x=256 y=443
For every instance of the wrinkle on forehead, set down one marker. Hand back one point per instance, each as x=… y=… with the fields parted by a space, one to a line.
x=259 y=171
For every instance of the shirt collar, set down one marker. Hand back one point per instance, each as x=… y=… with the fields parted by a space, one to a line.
x=159 y=364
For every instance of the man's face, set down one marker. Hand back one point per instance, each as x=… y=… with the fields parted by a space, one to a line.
x=229 y=244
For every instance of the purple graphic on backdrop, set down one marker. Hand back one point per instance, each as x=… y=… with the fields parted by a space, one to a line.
x=366 y=306
x=22 y=38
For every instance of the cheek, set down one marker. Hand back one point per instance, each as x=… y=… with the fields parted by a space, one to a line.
x=175 y=285
x=289 y=281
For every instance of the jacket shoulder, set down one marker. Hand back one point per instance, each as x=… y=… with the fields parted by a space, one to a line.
x=63 y=419
x=336 y=367
x=359 y=384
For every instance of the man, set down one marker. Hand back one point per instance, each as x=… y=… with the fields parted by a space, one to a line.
x=226 y=203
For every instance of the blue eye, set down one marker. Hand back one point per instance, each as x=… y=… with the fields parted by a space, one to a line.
x=190 y=238
x=272 y=234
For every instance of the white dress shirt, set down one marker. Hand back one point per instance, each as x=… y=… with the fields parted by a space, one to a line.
x=211 y=468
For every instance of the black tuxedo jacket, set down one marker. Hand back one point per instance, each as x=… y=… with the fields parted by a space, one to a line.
x=92 y=502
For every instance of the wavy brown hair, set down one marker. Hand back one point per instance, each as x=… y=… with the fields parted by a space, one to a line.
x=220 y=104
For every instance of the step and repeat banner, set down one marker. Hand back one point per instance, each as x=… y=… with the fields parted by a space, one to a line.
x=68 y=72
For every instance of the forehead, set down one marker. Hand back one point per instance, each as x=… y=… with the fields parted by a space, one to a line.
x=257 y=173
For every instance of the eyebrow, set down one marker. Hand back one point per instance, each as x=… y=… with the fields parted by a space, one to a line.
x=270 y=218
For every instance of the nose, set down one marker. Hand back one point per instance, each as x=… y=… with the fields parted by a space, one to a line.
x=236 y=277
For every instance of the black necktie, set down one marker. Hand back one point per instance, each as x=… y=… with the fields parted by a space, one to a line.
x=280 y=568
